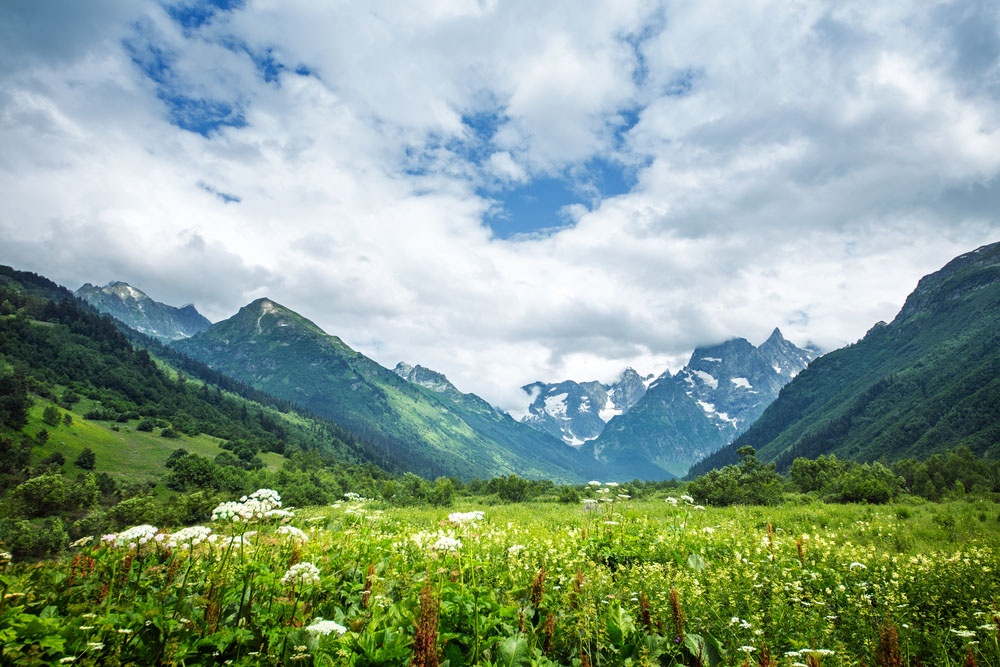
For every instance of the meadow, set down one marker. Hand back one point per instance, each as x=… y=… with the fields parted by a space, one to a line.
x=612 y=580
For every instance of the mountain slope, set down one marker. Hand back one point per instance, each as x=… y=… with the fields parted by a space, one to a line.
x=683 y=418
x=279 y=351
x=138 y=311
x=925 y=383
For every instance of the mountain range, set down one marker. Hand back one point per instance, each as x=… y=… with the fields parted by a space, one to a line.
x=925 y=383
x=919 y=385
x=140 y=312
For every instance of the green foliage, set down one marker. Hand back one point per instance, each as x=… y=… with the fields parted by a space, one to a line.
x=51 y=415
x=749 y=483
x=86 y=460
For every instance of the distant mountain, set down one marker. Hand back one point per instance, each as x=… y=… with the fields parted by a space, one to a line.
x=434 y=432
x=576 y=412
x=682 y=418
x=927 y=382
x=152 y=318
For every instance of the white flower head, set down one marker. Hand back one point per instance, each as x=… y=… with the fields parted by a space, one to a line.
x=293 y=532
x=135 y=536
x=301 y=574
x=189 y=537
x=447 y=543
x=321 y=627
x=466 y=517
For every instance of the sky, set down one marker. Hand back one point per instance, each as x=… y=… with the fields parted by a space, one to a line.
x=506 y=191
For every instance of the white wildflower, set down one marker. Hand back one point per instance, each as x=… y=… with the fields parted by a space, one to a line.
x=466 y=517
x=135 y=536
x=301 y=574
x=321 y=627
x=671 y=500
x=189 y=537
x=688 y=499
x=594 y=482
x=293 y=532
x=446 y=543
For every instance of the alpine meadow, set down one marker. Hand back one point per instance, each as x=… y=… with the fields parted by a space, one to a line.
x=434 y=333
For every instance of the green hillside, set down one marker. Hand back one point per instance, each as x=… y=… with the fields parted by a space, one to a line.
x=278 y=351
x=926 y=383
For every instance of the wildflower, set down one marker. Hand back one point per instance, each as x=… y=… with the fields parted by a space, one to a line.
x=860 y=566
x=624 y=496
x=96 y=646
x=189 y=537
x=688 y=499
x=5 y=558
x=351 y=496
x=293 y=532
x=612 y=484
x=465 y=517
x=446 y=543
x=78 y=543
x=136 y=536
x=262 y=503
x=594 y=482
x=671 y=500
x=301 y=574
x=708 y=529
x=964 y=634
x=321 y=627
x=748 y=649
x=698 y=507
x=68 y=659
x=518 y=548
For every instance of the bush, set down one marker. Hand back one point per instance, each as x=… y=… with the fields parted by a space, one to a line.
x=33 y=539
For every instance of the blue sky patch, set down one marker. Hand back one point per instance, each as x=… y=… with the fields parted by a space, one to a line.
x=224 y=196
x=192 y=15
x=538 y=205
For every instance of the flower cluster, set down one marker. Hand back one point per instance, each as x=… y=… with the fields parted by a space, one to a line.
x=134 y=537
x=189 y=537
x=262 y=503
x=301 y=574
x=293 y=532
x=447 y=543
x=321 y=627
x=465 y=517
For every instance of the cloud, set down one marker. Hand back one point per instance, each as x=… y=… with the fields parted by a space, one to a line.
x=712 y=170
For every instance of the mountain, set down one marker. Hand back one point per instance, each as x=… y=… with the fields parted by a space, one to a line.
x=927 y=382
x=434 y=432
x=576 y=412
x=138 y=311
x=684 y=417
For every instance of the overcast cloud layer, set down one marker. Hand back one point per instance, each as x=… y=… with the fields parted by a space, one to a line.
x=790 y=164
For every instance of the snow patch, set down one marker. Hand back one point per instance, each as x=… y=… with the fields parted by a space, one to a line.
x=777 y=369
x=556 y=405
x=707 y=407
x=610 y=409
x=742 y=383
x=707 y=379
x=714 y=359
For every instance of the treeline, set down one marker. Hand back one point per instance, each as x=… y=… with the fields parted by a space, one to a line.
x=956 y=473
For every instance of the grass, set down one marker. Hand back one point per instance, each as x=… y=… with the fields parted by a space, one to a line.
x=634 y=582
x=126 y=454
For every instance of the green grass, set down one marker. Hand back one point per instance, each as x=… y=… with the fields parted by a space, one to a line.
x=635 y=582
x=123 y=452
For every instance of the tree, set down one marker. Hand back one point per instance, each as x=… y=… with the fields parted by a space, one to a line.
x=51 y=415
x=86 y=460
x=14 y=400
